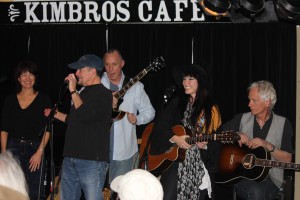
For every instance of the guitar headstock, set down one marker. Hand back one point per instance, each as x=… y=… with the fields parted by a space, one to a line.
x=157 y=64
x=228 y=136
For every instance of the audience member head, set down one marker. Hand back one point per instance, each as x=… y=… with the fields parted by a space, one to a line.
x=137 y=184
x=12 y=180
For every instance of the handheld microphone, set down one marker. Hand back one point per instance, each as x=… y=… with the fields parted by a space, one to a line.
x=169 y=91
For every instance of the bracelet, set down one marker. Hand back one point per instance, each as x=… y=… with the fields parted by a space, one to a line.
x=73 y=92
x=273 y=148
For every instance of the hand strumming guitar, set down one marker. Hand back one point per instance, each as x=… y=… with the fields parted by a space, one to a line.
x=131 y=118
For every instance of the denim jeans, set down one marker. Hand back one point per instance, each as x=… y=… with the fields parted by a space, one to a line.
x=121 y=167
x=86 y=175
x=252 y=190
x=23 y=152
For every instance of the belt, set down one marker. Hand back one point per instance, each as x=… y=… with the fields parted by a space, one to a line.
x=21 y=140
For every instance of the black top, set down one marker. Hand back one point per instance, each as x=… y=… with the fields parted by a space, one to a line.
x=286 y=142
x=28 y=123
x=87 y=135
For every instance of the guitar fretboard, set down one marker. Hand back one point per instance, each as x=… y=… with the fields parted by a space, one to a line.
x=138 y=77
x=203 y=138
x=228 y=136
x=278 y=164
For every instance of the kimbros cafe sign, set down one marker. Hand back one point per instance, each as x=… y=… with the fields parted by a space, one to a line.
x=133 y=11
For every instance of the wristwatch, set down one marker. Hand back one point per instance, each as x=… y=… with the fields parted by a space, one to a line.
x=273 y=148
x=73 y=92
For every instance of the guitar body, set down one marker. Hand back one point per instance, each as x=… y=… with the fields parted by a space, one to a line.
x=157 y=164
x=117 y=115
x=145 y=138
x=239 y=162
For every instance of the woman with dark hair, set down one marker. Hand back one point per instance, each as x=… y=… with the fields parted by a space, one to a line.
x=194 y=109
x=23 y=122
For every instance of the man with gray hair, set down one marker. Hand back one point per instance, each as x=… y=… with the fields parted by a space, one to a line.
x=261 y=127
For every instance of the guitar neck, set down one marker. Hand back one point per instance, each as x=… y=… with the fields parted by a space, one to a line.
x=225 y=137
x=138 y=77
x=277 y=164
x=202 y=138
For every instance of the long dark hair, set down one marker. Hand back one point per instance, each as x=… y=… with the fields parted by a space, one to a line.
x=203 y=100
x=23 y=67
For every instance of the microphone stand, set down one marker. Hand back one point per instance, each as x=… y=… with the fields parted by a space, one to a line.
x=51 y=119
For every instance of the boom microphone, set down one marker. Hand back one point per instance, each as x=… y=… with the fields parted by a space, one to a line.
x=169 y=93
x=66 y=83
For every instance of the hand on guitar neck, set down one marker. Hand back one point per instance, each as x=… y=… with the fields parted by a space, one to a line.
x=182 y=142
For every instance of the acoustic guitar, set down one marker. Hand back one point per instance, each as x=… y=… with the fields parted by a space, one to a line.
x=157 y=64
x=157 y=164
x=237 y=162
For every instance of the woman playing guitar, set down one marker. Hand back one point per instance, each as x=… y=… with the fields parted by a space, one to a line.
x=194 y=109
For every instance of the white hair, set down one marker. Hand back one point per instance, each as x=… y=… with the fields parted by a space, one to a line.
x=11 y=173
x=266 y=91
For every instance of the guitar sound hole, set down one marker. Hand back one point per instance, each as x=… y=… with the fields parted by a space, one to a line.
x=249 y=161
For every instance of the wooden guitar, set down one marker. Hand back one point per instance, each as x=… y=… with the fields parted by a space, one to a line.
x=157 y=164
x=155 y=65
x=238 y=162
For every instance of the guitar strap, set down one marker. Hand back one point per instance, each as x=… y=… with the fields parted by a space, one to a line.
x=126 y=80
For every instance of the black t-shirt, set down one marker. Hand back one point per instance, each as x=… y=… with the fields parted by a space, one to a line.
x=87 y=135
